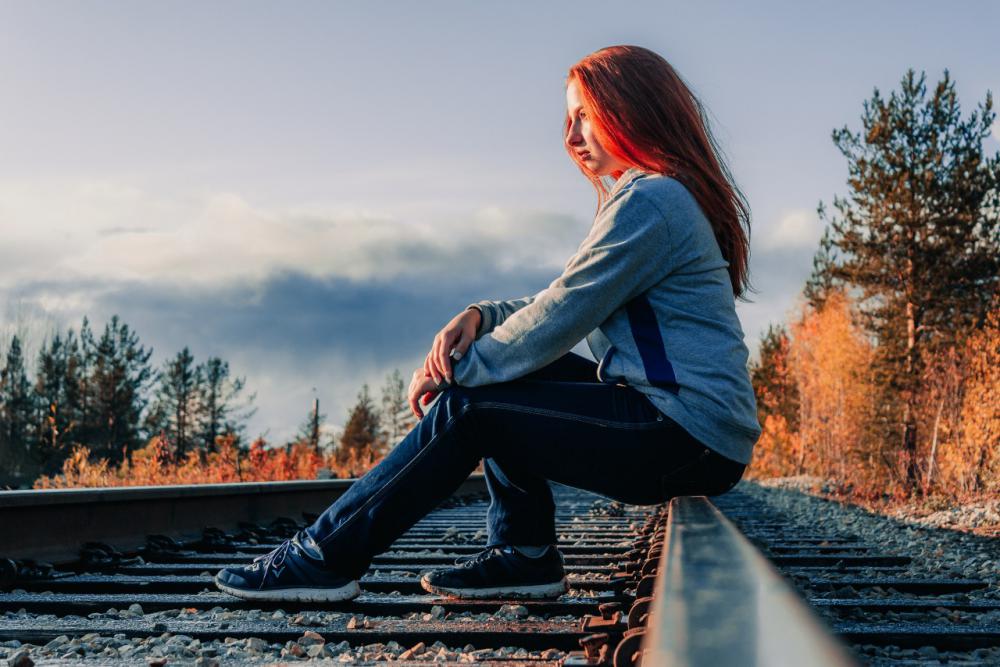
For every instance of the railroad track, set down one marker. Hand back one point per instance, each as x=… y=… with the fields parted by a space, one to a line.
x=877 y=602
x=677 y=584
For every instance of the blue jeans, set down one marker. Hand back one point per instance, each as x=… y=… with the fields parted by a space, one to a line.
x=558 y=423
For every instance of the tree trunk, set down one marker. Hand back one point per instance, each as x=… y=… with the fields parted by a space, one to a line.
x=934 y=442
x=909 y=395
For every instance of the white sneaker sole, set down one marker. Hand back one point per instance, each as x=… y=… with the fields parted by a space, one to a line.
x=533 y=591
x=346 y=592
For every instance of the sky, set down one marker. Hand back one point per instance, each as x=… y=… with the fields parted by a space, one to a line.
x=311 y=190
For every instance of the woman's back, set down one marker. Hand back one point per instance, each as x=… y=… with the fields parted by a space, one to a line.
x=679 y=341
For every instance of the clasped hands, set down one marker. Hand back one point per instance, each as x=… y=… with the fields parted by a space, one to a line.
x=452 y=341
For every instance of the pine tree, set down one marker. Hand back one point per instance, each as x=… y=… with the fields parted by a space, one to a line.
x=397 y=420
x=54 y=381
x=919 y=235
x=119 y=379
x=771 y=376
x=16 y=412
x=82 y=395
x=176 y=405
x=362 y=428
x=312 y=428
x=221 y=408
x=822 y=282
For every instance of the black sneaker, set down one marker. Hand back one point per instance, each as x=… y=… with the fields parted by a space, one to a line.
x=292 y=572
x=501 y=572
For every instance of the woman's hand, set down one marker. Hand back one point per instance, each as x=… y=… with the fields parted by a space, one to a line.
x=457 y=335
x=423 y=388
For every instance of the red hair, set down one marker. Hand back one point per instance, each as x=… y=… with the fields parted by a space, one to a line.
x=645 y=115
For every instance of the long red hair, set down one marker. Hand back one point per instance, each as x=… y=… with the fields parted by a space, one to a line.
x=646 y=116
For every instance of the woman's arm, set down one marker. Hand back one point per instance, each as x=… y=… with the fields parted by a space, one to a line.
x=495 y=312
x=452 y=341
x=626 y=253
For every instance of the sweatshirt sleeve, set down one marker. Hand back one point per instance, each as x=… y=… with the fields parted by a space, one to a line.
x=626 y=252
x=495 y=312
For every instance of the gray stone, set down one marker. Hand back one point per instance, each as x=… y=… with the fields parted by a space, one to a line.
x=310 y=638
x=294 y=649
x=256 y=644
x=928 y=652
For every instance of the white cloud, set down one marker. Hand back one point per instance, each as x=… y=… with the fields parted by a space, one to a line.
x=113 y=232
x=795 y=229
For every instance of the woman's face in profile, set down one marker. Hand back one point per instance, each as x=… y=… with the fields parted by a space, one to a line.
x=581 y=140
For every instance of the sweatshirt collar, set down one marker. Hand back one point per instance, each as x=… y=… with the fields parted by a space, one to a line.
x=626 y=177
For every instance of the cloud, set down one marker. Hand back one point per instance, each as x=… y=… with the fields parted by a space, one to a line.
x=294 y=298
x=111 y=232
x=996 y=129
x=794 y=229
x=287 y=335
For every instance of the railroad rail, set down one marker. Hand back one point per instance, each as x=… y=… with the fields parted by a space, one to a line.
x=718 y=582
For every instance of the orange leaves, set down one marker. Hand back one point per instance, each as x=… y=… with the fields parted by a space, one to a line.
x=828 y=430
x=153 y=465
x=973 y=456
x=830 y=360
x=825 y=362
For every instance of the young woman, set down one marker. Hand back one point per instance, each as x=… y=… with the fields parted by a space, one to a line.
x=668 y=410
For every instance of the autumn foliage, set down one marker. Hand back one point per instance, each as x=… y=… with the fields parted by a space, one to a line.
x=885 y=382
x=156 y=464
x=818 y=395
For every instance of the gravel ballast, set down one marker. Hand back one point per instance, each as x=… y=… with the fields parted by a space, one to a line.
x=936 y=552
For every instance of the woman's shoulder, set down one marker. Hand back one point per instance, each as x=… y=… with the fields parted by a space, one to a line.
x=661 y=186
x=666 y=193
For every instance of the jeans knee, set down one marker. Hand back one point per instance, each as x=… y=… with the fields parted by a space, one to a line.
x=454 y=396
x=455 y=402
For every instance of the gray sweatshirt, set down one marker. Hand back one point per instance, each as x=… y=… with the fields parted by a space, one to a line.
x=649 y=290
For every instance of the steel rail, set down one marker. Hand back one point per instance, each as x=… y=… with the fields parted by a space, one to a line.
x=51 y=524
x=718 y=601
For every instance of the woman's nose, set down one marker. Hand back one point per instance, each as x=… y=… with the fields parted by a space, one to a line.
x=574 y=137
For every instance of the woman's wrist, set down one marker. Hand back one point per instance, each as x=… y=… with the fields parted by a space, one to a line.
x=479 y=321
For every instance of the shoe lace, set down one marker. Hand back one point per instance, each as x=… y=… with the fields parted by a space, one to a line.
x=483 y=555
x=272 y=559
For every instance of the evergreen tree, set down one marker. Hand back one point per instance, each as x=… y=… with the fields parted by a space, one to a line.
x=54 y=383
x=919 y=234
x=176 y=405
x=74 y=384
x=773 y=382
x=221 y=410
x=312 y=428
x=822 y=280
x=16 y=412
x=397 y=420
x=119 y=378
x=362 y=428
x=81 y=395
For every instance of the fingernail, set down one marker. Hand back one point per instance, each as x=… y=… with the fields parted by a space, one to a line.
x=457 y=355
x=450 y=379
